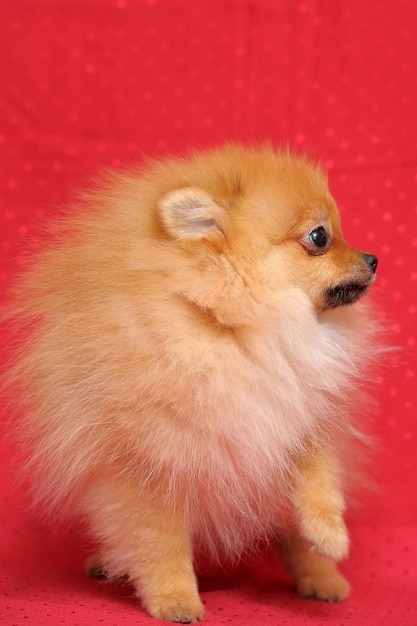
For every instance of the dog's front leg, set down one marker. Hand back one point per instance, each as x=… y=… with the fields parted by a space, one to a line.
x=315 y=576
x=148 y=542
x=320 y=505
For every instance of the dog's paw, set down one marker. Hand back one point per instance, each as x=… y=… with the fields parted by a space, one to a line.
x=94 y=567
x=181 y=608
x=325 y=586
x=327 y=534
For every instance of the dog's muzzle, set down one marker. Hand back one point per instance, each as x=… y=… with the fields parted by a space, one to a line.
x=350 y=291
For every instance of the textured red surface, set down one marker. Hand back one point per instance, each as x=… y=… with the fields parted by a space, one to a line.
x=87 y=83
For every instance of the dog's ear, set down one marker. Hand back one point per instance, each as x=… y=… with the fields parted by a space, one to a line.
x=190 y=213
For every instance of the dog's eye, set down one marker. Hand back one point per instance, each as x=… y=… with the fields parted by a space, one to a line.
x=318 y=237
x=317 y=241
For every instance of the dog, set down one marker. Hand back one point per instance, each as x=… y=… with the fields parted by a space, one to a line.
x=192 y=348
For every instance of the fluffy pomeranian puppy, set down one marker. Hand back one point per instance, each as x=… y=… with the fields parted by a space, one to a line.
x=194 y=349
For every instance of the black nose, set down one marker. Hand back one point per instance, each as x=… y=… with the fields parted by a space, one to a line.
x=371 y=261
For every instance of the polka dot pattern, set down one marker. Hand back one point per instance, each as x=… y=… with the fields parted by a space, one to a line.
x=97 y=83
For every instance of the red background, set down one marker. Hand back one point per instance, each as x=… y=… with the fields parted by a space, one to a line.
x=86 y=83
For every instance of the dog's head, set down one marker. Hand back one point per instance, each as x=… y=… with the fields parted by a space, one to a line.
x=260 y=222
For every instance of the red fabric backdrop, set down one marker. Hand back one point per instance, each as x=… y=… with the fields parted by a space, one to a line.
x=86 y=83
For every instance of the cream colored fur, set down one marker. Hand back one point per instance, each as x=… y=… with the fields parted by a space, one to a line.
x=185 y=384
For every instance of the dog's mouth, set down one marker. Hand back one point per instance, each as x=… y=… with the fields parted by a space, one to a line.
x=345 y=293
